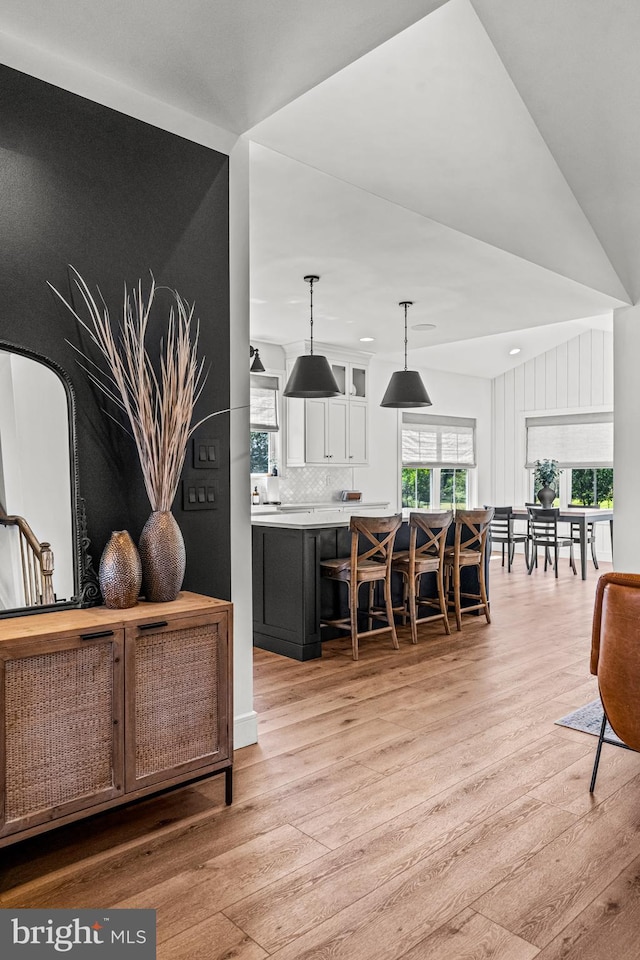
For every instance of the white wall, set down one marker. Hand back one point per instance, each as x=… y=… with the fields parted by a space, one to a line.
x=576 y=376
x=452 y=395
x=626 y=452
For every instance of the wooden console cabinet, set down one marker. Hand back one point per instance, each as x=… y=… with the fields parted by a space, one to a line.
x=99 y=707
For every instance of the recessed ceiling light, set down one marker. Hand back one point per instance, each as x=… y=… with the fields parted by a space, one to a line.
x=367 y=339
x=423 y=326
x=513 y=352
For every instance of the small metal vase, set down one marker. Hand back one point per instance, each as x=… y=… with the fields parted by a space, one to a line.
x=120 y=573
x=163 y=557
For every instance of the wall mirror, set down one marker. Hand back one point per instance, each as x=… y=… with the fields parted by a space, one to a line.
x=44 y=563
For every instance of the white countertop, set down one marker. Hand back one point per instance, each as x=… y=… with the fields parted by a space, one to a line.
x=323 y=505
x=301 y=521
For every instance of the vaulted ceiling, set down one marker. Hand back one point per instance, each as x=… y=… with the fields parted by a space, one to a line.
x=478 y=157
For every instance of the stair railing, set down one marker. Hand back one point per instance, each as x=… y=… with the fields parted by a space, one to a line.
x=36 y=560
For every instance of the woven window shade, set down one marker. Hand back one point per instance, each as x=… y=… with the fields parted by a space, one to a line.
x=264 y=404
x=437 y=441
x=578 y=440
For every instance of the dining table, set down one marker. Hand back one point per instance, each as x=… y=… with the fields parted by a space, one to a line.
x=581 y=517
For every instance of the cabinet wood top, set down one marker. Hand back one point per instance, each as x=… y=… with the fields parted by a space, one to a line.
x=60 y=622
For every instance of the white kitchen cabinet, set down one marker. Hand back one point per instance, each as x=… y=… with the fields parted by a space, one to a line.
x=332 y=431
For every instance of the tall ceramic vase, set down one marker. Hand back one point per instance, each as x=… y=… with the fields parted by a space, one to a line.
x=546 y=495
x=163 y=557
x=120 y=572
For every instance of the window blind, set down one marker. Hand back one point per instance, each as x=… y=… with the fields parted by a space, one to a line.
x=429 y=441
x=264 y=403
x=574 y=440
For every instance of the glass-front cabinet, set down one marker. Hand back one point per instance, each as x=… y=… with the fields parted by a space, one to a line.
x=351 y=379
x=332 y=431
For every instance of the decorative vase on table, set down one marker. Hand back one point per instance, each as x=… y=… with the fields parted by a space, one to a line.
x=546 y=495
x=163 y=557
x=120 y=572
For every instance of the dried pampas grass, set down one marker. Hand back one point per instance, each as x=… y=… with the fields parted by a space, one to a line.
x=159 y=407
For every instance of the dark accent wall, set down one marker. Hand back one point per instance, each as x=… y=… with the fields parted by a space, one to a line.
x=117 y=198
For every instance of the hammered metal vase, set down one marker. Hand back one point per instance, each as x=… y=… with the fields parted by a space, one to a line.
x=120 y=572
x=163 y=557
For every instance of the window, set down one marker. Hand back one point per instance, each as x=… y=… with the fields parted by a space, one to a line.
x=437 y=453
x=583 y=446
x=453 y=489
x=592 y=487
x=416 y=487
x=264 y=422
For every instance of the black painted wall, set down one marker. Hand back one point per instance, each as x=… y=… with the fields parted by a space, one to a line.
x=117 y=198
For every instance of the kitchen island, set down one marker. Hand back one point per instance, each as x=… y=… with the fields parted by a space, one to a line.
x=290 y=598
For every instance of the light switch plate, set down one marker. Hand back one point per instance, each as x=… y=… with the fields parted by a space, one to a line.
x=206 y=453
x=199 y=494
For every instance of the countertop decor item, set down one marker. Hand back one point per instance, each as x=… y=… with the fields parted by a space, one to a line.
x=311 y=375
x=405 y=388
x=159 y=406
x=120 y=572
x=546 y=475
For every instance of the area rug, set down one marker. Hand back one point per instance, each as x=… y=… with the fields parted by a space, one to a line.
x=589 y=720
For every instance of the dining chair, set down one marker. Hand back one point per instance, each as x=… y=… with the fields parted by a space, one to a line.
x=615 y=660
x=372 y=540
x=543 y=532
x=503 y=532
x=418 y=560
x=591 y=532
x=469 y=549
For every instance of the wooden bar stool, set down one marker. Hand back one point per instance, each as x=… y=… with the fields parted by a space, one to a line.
x=418 y=560
x=468 y=550
x=372 y=564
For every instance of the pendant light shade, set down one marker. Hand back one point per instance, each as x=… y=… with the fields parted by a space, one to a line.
x=311 y=375
x=405 y=388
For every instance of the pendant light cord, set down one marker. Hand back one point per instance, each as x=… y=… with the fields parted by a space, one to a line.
x=311 y=279
x=405 y=336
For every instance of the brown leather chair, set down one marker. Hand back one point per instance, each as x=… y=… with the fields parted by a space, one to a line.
x=468 y=550
x=615 y=659
x=411 y=564
x=373 y=563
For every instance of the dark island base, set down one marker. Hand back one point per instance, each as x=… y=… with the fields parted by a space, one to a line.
x=290 y=598
x=296 y=651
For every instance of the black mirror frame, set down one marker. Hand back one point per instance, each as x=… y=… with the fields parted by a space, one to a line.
x=85 y=580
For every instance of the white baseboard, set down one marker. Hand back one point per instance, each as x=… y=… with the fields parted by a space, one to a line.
x=245 y=730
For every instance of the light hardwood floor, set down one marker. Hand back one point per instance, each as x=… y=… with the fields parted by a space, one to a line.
x=420 y=803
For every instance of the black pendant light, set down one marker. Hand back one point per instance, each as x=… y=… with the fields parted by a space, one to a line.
x=311 y=375
x=406 y=388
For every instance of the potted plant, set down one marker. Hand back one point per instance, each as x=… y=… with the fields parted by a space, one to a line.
x=545 y=475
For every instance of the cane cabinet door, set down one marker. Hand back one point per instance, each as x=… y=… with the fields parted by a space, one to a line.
x=177 y=697
x=62 y=715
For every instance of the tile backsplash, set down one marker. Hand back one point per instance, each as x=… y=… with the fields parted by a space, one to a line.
x=311 y=484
